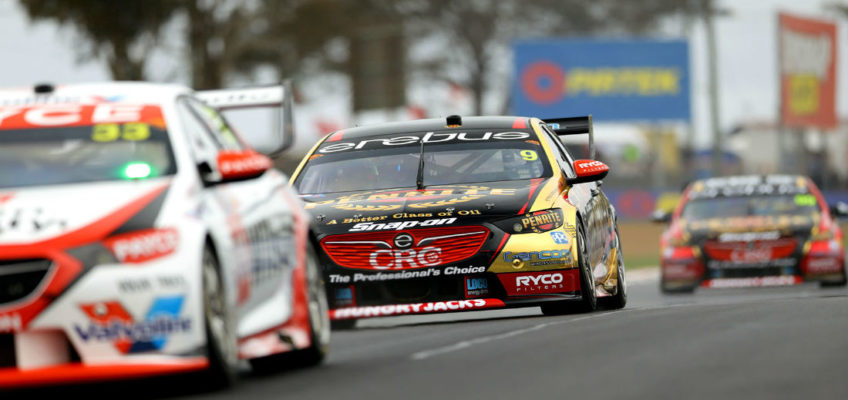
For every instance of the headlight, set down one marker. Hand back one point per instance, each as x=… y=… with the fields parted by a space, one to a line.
x=535 y=222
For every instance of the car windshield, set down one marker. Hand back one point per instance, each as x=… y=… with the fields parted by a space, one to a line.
x=443 y=164
x=725 y=207
x=76 y=154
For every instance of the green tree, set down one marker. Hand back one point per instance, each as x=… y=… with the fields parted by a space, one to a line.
x=121 y=32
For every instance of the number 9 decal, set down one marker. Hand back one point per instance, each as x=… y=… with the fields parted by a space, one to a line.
x=529 y=155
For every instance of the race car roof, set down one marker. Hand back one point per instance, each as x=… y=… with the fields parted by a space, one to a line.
x=433 y=124
x=87 y=93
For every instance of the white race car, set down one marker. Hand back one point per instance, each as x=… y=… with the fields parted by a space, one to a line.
x=140 y=235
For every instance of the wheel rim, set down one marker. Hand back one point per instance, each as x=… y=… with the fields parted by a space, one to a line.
x=216 y=312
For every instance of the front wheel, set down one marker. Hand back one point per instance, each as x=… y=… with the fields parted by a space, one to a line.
x=221 y=344
x=588 y=301
x=619 y=299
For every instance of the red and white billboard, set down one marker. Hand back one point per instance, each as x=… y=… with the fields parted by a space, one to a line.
x=807 y=72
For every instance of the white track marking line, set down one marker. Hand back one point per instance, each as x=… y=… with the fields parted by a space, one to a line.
x=422 y=355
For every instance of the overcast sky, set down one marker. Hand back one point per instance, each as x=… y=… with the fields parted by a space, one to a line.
x=746 y=45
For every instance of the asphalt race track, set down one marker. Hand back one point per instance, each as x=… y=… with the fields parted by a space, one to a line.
x=763 y=343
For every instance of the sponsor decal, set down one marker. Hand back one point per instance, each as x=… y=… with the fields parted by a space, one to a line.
x=543 y=257
x=78 y=115
x=395 y=259
x=412 y=198
x=422 y=273
x=559 y=238
x=541 y=222
x=748 y=236
x=824 y=265
x=414 y=308
x=344 y=296
x=132 y=285
x=110 y=321
x=786 y=280
x=476 y=287
x=144 y=245
x=400 y=225
x=570 y=229
x=429 y=137
x=546 y=282
x=11 y=323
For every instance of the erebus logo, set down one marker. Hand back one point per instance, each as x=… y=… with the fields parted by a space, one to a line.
x=429 y=137
x=398 y=259
x=403 y=241
x=547 y=279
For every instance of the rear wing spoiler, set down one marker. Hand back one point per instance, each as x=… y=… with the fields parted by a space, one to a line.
x=574 y=126
x=258 y=97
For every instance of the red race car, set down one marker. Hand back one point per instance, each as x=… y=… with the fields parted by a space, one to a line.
x=743 y=231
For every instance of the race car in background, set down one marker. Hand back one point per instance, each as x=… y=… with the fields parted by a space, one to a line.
x=139 y=235
x=753 y=230
x=456 y=214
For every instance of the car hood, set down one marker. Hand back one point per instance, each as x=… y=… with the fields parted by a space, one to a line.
x=91 y=210
x=748 y=228
x=468 y=203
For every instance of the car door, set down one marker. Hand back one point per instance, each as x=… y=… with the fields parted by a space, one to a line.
x=592 y=203
x=253 y=218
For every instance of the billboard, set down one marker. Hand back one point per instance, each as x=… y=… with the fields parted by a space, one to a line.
x=614 y=80
x=807 y=72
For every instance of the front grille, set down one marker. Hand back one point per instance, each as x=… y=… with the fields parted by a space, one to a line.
x=429 y=247
x=19 y=278
x=750 y=252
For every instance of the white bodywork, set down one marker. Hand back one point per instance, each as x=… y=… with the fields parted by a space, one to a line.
x=250 y=224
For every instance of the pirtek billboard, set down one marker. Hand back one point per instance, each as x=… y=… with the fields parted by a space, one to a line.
x=614 y=80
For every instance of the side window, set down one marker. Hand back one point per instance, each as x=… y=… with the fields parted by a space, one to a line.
x=221 y=130
x=565 y=160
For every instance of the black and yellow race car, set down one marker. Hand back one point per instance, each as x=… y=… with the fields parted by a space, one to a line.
x=453 y=214
x=753 y=230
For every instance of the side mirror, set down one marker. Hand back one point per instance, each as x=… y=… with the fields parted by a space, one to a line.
x=661 y=217
x=588 y=171
x=839 y=209
x=236 y=165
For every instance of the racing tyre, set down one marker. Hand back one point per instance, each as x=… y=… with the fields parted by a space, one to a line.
x=221 y=344
x=319 y=327
x=588 y=301
x=619 y=299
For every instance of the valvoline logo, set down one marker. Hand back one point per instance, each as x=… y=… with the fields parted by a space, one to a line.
x=110 y=321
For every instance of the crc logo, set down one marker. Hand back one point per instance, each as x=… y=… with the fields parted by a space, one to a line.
x=403 y=241
x=399 y=259
x=537 y=280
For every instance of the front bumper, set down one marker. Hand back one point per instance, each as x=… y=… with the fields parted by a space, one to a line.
x=82 y=373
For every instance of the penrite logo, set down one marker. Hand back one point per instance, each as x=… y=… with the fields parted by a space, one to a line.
x=110 y=321
x=429 y=137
